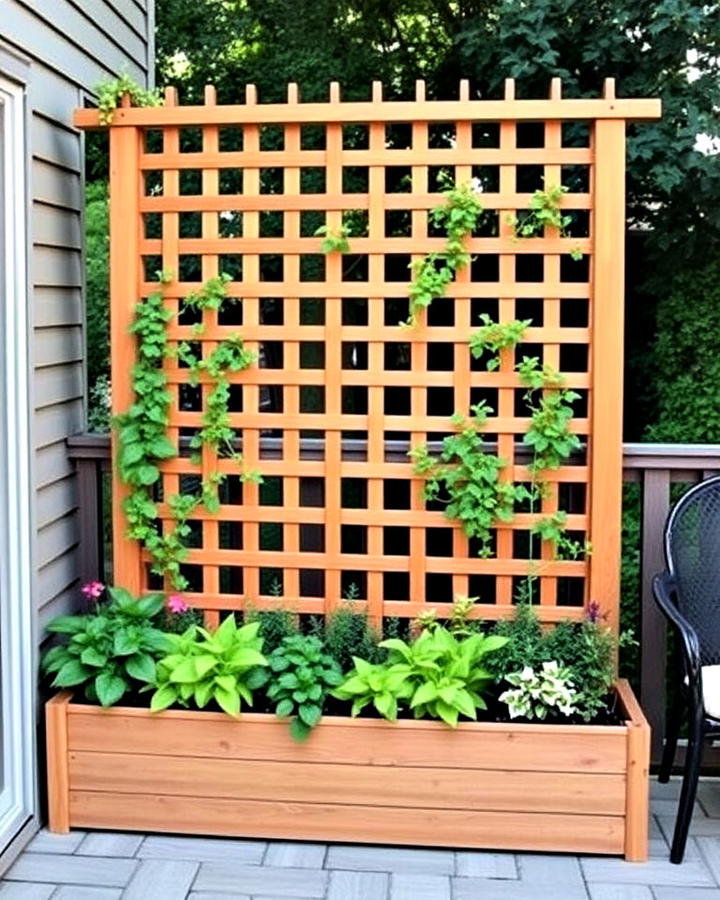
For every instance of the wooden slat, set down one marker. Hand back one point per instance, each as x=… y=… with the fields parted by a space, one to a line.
x=607 y=354
x=324 y=822
x=56 y=738
x=363 y=112
x=354 y=741
x=342 y=784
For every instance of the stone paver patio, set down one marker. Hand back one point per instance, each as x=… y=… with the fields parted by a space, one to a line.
x=113 y=866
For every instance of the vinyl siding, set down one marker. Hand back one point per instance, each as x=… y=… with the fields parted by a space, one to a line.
x=70 y=46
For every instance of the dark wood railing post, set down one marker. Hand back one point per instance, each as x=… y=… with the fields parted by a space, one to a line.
x=653 y=636
x=91 y=454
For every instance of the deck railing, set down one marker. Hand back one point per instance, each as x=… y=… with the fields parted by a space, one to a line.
x=655 y=467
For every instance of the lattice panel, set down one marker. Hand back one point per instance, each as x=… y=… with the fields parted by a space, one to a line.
x=341 y=392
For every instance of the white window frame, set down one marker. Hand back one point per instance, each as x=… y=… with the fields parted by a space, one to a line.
x=17 y=621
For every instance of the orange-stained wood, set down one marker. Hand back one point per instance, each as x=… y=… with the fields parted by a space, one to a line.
x=334 y=367
x=607 y=346
x=637 y=814
x=540 y=787
x=56 y=746
x=433 y=787
x=539 y=832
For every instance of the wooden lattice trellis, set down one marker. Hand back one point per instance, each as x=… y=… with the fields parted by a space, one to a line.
x=341 y=391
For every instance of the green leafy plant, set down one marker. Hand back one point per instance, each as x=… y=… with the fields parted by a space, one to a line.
x=223 y=666
x=110 y=650
x=444 y=671
x=545 y=212
x=110 y=93
x=586 y=649
x=439 y=675
x=494 y=337
x=539 y=692
x=469 y=477
x=301 y=673
x=334 y=241
x=459 y=216
x=553 y=529
x=377 y=685
x=346 y=633
x=275 y=625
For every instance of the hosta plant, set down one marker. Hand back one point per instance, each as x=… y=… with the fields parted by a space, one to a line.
x=437 y=676
x=375 y=684
x=110 y=650
x=223 y=666
x=300 y=676
x=538 y=692
x=445 y=672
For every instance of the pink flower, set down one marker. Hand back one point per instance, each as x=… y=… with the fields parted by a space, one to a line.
x=176 y=604
x=92 y=590
x=594 y=613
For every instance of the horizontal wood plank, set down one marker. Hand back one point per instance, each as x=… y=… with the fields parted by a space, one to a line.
x=325 y=822
x=342 y=784
x=360 y=742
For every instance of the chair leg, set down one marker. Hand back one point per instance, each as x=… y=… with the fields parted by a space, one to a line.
x=672 y=732
x=689 y=787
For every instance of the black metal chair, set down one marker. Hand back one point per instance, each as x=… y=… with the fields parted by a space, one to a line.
x=688 y=593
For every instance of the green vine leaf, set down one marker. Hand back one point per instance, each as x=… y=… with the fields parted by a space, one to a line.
x=459 y=216
x=110 y=93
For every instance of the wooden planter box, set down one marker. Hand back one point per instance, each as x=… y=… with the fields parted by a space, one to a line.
x=574 y=788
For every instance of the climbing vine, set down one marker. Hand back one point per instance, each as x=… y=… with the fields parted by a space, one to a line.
x=334 y=241
x=142 y=430
x=110 y=93
x=467 y=477
x=459 y=216
x=545 y=211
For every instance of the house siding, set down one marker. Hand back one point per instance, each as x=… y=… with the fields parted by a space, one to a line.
x=70 y=46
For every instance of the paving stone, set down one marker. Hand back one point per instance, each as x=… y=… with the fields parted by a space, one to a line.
x=538 y=868
x=700 y=826
x=709 y=849
x=167 y=879
x=419 y=887
x=261 y=880
x=55 y=868
x=495 y=889
x=654 y=830
x=358 y=886
x=472 y=863
x=692 y=873
x=298 y=855
x=620 y=892
x=709 y=797
x=110 y=843
x=46 y=842
x=206 y=895
x=203 y=849
x=73 y=892
x=390 y=859
x=669 y=791
x=669 y=808
x=671 y=893
x=19 y=890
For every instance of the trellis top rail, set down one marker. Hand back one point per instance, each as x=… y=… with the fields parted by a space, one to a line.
x=378 y=110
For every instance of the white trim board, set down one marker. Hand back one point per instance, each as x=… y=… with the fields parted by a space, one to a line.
x=17 y=626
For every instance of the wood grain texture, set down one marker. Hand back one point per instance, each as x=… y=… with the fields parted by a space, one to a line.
x=343 y=784
x=375 y=381
x=56 y=744
x=572 y=788
x=359 y=824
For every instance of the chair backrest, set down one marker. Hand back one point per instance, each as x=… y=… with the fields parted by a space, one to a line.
x=692 y=553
